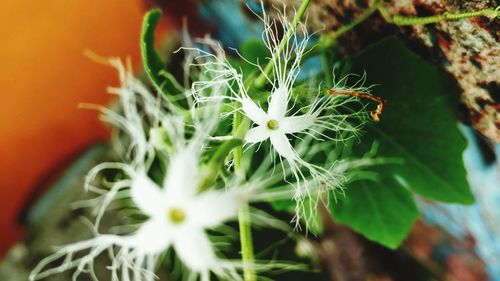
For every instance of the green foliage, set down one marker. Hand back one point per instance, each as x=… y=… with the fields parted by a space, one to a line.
x=419 y=124
x=255 y=52
x=419 y=127
x=153 y=63
x=381 y=210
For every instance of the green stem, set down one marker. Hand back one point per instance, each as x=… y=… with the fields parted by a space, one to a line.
x=211 y=170
x=325 y=63
x=328 y=40
x=403 y=20
x=246 y=244
x=365 y=15
x=262 y=80
x=240 y=126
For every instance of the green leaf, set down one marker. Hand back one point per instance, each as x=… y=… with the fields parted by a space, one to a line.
x=153 y=63
x=419 y=124
x=382 y=211
x=254 y=52
x=419 y=127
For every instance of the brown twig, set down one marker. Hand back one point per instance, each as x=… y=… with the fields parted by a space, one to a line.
x=375 y=114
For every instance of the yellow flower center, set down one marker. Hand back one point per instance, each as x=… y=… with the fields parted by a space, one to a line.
x=177 y=215
x=273 y=124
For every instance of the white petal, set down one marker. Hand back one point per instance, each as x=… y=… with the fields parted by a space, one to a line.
x=213 y=208
x=146 y=195
x=194 y=249
x=253 y=111
x=182 y=175
x=279 y=103
x=295 y=124
x=282 y=145
x=257 y=134
x=153 y=237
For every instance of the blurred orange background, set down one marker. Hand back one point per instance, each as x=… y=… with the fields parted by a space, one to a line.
x=43 y=77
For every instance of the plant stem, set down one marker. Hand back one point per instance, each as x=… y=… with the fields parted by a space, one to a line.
x=328 y=40
x=403 y=20
x=366 y=14
x=211 y=170
x=240 y=126
x=327 y=70
x=261 y=79
x=246 y=239
x=246 y=244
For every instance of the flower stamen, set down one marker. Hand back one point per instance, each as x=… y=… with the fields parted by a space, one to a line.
x=176 y=215
x=273 y=124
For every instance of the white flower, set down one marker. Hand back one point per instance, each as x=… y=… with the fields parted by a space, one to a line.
x=275 y=125
x=283 y=116
x=284 y=119
x=178 y=217
x=287 y=120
